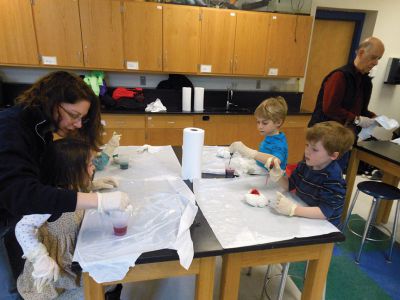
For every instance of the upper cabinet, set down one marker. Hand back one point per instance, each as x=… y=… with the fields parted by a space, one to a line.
x=181 y=38
x=288 y=42
x=101 y=25
x=142 y=32
x=58 y=32
x=17 y=34
x=217 y=40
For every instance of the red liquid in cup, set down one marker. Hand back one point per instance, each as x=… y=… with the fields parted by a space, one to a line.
x=120 y=231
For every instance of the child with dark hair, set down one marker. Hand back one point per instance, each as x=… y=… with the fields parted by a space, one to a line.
x=318 y=179
x=48 y=241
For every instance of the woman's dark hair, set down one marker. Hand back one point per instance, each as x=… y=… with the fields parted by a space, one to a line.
x=64 y=164
x=64 y=87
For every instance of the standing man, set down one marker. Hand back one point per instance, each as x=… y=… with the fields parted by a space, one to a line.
x=345 y=92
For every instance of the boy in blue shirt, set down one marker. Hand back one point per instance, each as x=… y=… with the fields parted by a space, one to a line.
x=318 y=178
x=270 y=115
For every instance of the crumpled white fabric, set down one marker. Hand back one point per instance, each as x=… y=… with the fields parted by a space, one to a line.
x=155 y=106
x=223 y=152
x=396 y=141
x=256 y=200
x=148 y=148
x=384 y=121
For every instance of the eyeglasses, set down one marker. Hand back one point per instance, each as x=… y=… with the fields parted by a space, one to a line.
x=75 y=117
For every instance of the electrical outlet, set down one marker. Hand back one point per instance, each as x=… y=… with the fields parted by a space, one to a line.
x=142 y=80
x=258 y=84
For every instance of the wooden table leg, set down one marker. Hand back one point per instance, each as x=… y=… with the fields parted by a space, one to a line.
x=351 y=174
x=385 y=206
x=205 y=279
x=92 y=289
x=230 y=280
x=317 y=272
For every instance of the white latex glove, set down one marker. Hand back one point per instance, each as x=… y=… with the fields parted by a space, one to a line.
x=112 y=201
x=104 y=183
x=284 y=206
x=112 y=144
x=255 y=198
x=45 y=269
x=365 y=122
x=275 y=172
x=242 y=149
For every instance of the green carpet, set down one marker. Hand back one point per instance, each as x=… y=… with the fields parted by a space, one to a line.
x=373 y=278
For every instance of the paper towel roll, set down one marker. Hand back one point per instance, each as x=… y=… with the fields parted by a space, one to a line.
x=186 y=99
x=198 y=99
x=192 y=148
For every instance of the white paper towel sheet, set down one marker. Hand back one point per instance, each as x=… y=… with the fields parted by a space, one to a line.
x=193 y=141
x=157 y=162
x=163 y=211
x=198 y=99
x=186 y=99
x=237 y=224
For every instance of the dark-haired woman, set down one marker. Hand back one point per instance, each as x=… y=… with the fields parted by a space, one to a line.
x=58 y=103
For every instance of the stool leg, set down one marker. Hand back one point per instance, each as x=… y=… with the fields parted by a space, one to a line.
x=366 y=229
x=350 y=211
x=282 y=285
x=394 y=230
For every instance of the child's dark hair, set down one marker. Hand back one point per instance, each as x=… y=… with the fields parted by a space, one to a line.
x=333 y=136
x=274 y=109
x=65 y=164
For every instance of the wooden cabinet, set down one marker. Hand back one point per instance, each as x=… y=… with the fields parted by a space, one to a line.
x=250 y=43
x=101 y=26
x=58 y=32
x=17 y=34
x=132 y=128
x=219 y=129
x=288 y=41
x=295 y=128
x=217 y=40
x=142 y=32
x=181 y=38
x=167 y=130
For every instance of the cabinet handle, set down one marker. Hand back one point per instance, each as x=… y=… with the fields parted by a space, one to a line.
x=165 y=59
x=236 y=62
x=170 y=122
x=160 y=62
x=231 y=65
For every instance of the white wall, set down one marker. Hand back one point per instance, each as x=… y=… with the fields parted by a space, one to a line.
x=385 y=98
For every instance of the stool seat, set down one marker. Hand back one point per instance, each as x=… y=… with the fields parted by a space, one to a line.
x=379 y=190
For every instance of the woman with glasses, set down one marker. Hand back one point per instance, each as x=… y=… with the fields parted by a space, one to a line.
x=60 y=103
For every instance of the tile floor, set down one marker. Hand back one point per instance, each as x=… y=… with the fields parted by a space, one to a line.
x=250 y=286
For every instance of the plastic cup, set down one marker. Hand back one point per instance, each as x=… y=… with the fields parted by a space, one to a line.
x=119 y=220
x=123 y=161
x=229 y=171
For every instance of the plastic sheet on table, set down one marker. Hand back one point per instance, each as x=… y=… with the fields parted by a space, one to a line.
x=238 y=224
x=163 y=211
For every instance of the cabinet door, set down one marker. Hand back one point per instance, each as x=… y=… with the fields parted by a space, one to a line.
x=288 y=42
x=219 y=130
x=167 y=130
x=217 y=39
x=181 y=38
x=295 y=128
x=17 y=34
x=102 y=33
x=58 y=32
x=143 y=35
x=250 y=43
x=132 y=128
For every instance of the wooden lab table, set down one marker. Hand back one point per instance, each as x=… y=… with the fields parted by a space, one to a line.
x=165 y=263
x=385 y=156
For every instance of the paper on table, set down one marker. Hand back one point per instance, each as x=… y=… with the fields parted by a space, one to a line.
x=384 y=121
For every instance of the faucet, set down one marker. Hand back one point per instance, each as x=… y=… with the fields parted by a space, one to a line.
x=229 y=99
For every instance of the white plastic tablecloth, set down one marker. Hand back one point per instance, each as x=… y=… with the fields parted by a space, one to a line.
x=237 y=224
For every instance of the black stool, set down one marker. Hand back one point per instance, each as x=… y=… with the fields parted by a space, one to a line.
x=380 y=192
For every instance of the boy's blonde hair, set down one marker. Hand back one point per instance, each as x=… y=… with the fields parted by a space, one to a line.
x=333 y=136
x=274 y=109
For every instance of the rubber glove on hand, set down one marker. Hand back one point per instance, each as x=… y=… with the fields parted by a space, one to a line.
x=275 y=172
x=242 y=149
x=112 y=144
x=284 y=206
x=45 y=269
x=104 y=183
x=112 y=201
x=365 y=122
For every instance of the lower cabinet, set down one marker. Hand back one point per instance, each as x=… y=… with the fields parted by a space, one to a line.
x=132 y=128
x=219 y=130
